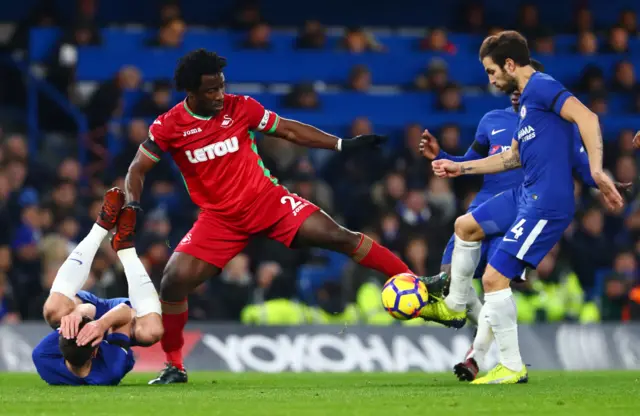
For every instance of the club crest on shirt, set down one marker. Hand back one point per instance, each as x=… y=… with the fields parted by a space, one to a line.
x=523 y=112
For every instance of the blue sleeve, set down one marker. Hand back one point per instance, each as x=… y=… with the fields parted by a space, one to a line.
x=116 y=359
x=47 y=357
x=102 y=305
x=470 y=155
x=549 y=93
x=581 y=161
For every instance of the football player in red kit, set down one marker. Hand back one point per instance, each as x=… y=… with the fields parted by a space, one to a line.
x=210 y=137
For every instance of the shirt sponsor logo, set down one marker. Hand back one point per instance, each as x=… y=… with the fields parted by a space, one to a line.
x=213 y=150
x=498 y=149
x=526 y=133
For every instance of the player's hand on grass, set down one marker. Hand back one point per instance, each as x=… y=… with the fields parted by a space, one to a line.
x=429 y=146
x=444 y=168
x=612 y=197
x=69 y=325
x=92 y=333
x=636 y=140
x=363 y=141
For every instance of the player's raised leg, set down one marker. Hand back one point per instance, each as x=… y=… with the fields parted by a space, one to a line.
x=74 y=272
x=144 y=299
x=320 y=230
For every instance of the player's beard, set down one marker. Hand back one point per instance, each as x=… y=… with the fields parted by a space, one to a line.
x=510 y=84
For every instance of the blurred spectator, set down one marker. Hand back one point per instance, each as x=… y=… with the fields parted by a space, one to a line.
x=598 y=103
x=472 y=19
x=434 y=78
x=245 y=14
x=590 y=249
x=544 y=43
x=436 y=41
x=408 y=160
x=450 y=99
x=233 y=288
x=615 y=302
x=528 y=22
x=258 y=37
x=359 y=78
x=8 y=312
x=591 y=80
x=587 y=43
x=624 y=78
x=441 y=196
x=312 y=36
x=155 y=104
x=169 y=10
x=629 y=21
x=106 y=101
x=170 y=35
x=618 y=41
x=414 y=210
x=417 y=255
x=302 y=96
x=626 y=169
x=63 y=200
x=583 y=20
x=357 y=40
x=69 y=169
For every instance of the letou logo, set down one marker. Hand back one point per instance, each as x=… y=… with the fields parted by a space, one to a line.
x=213 y=150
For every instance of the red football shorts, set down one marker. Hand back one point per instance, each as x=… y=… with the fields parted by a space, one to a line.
x=275 y=213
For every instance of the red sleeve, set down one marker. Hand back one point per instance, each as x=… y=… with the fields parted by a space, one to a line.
x=158 y=135
x=260 y=119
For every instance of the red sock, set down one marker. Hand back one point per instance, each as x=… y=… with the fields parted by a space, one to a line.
x=374 y=256
x=174 y=318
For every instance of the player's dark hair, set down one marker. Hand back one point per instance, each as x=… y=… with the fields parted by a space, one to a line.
x=537 y=65
x=507 y=44
x=71 y=352
x=194 y=65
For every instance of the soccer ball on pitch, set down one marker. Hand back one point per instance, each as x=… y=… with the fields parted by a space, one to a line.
x=404 y=296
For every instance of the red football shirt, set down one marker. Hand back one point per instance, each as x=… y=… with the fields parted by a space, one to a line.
x=217 y=156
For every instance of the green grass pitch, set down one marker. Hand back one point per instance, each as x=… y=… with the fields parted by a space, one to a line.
x=548 y=393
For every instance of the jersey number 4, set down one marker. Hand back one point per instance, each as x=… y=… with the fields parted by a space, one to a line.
x=517 y=229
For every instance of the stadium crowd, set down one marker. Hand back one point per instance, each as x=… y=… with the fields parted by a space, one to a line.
x=48 y=200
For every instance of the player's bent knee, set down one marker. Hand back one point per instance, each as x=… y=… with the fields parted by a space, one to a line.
x=468 y=229
x=149 y=330
x=493 y=280
x=56 y=306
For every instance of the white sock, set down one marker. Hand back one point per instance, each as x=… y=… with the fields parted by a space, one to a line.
x=500 y=308
x=142 y=294
x=484 y=338
x=74 y=272
x=473 y=306
x=464 y=261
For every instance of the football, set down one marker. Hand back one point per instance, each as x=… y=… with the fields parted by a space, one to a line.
x=404 y=296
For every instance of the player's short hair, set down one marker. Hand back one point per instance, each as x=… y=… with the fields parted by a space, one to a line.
x=537 y=65
x=507 y=44
x=194 y=65
x=75 y=355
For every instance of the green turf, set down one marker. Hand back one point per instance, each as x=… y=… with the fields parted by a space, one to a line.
x=548 y=393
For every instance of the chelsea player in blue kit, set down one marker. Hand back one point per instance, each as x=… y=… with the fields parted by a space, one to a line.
x=493 y=136
x=90 y=344
x=544 y=204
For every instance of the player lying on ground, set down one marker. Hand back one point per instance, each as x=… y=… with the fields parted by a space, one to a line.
x=493 y=136
x=544 y=205
x=209 y=136
x=91 y=338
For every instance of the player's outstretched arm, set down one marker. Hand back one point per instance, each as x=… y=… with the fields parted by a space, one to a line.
x=430 y=149
x=493 y=164
x=309 y=136
x=589 y=125
x=93 y=332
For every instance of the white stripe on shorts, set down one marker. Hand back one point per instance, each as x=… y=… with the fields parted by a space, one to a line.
x=531 y=238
